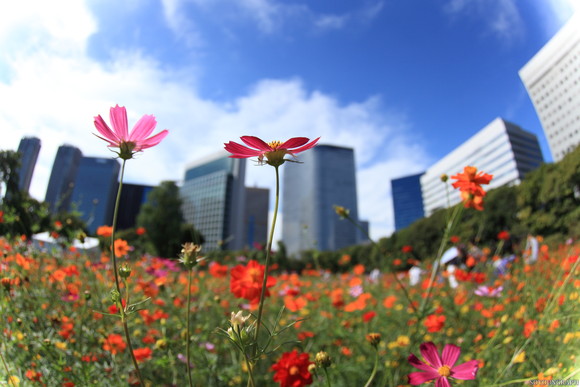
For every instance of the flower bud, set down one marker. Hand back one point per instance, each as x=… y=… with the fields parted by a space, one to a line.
x=115 y=296
x=341 y=211
x=124 y=271
x=444 y=177
x=323 y=360
x=374 y=339
x=189 y=255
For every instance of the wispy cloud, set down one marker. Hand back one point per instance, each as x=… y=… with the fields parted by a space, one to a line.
x=269 y=16
x=501 y=17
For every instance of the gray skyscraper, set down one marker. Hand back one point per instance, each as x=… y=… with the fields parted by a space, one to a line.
x=95 y=190
x=256 y=216
x=62 y=178
x=324 y=178
x=29 y=148
x=213 y=200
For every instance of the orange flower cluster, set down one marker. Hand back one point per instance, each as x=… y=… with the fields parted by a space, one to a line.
x=469 y=183
x=114 y=343
x=246 y=281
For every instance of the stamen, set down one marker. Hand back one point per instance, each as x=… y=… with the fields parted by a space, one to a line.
x=444 y=370
x=275 y=144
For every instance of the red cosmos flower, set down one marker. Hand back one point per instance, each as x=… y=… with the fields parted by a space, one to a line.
x=292 y=370
x=119 y=137
x=434 y=323
x=440 y=368
x=114 y=343
x=140 y=230
x=274 y=152
x=469 y=183
x=246 y=281
x=142 y=354
x=217 y=270
x=368 y=316
x=503 y=235
x=407 y=249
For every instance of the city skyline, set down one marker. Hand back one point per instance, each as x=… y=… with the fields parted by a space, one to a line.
x=402 y=84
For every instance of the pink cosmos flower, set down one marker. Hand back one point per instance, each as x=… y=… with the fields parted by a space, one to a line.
x=488 y=291
x=273 y=152
x=440 y=368
x=119 y=137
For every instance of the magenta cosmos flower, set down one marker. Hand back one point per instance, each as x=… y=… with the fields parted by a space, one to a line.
x=274 y=152
x=119 y=137
x=440 y=368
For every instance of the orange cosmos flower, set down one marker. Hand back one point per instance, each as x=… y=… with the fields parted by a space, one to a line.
x=246 y=281
x=469 y=183
x=217 y=270
x=530 y=327
x=292 y=370
x=122 y=248
x=274 y=152
x=105 y=231
x=114 y=343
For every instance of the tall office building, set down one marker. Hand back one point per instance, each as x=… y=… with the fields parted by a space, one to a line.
x=407 y=200
x=501 y=149
x=95 y=191
x=133 y=196
x=256 y=216
x=213 y=195
x=552 y=78
x=28 y=148
x=62 y=178
x=326 y=177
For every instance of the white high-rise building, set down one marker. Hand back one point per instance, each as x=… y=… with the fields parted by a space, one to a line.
x=552 y=78
x=501 y=149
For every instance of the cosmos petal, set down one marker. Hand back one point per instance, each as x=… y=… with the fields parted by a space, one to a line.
x=154 y=140
x=240 y=151
x=143 y=128
x=415 y=362
x=450 y=355
x=105 y=131
x=305 y=147
x=416 y=378
x=429 y=352
x=465 y=371
x=256 y=143
x=293 y=143
x=119 y=122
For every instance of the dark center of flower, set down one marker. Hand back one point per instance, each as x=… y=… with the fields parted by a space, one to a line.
x=293 y=370
x=444 y=370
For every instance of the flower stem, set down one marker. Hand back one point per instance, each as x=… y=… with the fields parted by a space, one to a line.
x=187 y=338
x=267 y=266
x=117 y=286
x=327 y=377
x=375 y=369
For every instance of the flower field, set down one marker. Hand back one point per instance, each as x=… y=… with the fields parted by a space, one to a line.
x=60 y=327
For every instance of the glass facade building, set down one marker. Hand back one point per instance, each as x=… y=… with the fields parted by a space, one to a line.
x=62 y=178
x=552 y=79
x=28 y=148
x=213 y=195
x=501 y=149
x=407 y=200
x=95 y=191
x=256 y=216
x=133 y=196
x=324 y=178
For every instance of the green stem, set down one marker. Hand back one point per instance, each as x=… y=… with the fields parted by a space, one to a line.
x=457 y=211
x=6 y=368
x=187 y=338
x=327 y=377
x=375 y=369
x=267 y=266
x=117 y=286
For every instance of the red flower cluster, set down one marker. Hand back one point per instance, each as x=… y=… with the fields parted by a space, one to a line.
x=246 y=281
x=292 y=370
x=114 y=343
x=469 y=183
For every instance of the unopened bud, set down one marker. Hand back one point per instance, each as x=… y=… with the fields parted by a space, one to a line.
x=341 y=211
x=115 y=296
x=374 y=339
x=323 y=360
x=125 y=271
x=444 y=177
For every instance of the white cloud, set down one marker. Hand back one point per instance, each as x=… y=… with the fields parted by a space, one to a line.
x=502 y=17
x=54 y=95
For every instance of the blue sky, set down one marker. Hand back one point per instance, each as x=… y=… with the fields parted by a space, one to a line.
x=402 y=81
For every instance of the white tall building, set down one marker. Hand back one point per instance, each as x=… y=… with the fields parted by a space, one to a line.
x=552 y=78
x=501 y=149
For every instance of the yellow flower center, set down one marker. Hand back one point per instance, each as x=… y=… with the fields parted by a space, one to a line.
x=444 y=370
x=275 y=144
x=293 y=370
